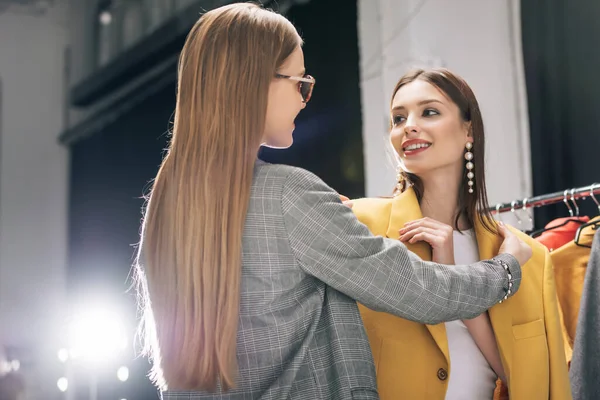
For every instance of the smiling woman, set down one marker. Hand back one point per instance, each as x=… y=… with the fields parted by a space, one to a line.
x=435 y=122
x=439 y=213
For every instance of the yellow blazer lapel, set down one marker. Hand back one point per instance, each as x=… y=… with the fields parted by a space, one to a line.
x=500 y=315
x=405 y=207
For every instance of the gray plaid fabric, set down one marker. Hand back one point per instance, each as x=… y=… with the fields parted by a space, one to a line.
x=306 y=259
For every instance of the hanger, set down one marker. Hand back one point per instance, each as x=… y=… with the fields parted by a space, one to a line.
x=565 y=222
x=498 y=211
x=594 y=197
x=595 y=223
x=525 y=200
x=512 y=210
x=567 y=202
x=528 y=214
x=574 y=203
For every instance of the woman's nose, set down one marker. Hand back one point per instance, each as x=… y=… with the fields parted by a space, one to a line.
x=411 y=125
x=411 y=128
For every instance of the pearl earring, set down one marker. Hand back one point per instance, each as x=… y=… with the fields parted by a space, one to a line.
x=470 y=166
x=400 y=181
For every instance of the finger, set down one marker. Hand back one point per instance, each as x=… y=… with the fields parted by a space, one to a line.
x=409 y=232
x=428 y=222
x=425 y=237
x=503 y=230
x=343 y=198
x=418 y=230
x=439 y=228
x=348 y=203
x=415 y=221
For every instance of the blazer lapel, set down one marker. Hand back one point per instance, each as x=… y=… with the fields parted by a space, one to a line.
x=405 y=207
x=500 y=315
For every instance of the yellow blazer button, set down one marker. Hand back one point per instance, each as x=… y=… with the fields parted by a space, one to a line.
x=442 y=374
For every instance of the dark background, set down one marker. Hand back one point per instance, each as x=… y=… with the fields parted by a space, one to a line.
x=562 y=64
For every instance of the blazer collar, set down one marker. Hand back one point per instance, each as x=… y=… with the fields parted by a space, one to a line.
x=405 y=208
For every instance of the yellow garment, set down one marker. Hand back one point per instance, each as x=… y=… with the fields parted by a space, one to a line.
x=570 y=262
x=412 y=359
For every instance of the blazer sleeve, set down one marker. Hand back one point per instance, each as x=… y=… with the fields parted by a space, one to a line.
x=330 y=244
x=560 y=388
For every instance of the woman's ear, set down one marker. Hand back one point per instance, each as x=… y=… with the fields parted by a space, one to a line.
x=469 y=131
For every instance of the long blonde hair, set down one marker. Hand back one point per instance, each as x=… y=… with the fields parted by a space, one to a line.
x=188 y=267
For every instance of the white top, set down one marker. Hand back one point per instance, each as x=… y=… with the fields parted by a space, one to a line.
x=471 y=377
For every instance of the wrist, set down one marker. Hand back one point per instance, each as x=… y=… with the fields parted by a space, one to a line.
x=513 y=276
x=443 y=257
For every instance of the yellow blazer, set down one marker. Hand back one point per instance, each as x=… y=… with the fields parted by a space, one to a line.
x=570 y=263
x=412 y=359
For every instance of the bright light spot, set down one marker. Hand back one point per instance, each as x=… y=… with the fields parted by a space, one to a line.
x=96 y=336
x=63 y=355
x=5 y=367
x=62 y=384
x=74 y=353
x=123 y=374
x=105 y=18
x=15 y=365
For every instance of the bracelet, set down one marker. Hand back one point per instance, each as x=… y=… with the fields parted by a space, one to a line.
x=510 y=281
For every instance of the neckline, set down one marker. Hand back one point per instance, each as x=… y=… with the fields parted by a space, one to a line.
x=469 y=232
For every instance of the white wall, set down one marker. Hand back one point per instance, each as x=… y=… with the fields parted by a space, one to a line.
x=33 y=177
x=478 y=39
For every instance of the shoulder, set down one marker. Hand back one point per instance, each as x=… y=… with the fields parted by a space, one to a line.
x=541 y=255
x=374 y=201
x=369 y=208
x=282 y=173
x=538 y=268
x=295 y=187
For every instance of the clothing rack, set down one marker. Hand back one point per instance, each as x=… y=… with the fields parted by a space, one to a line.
x=567 y=196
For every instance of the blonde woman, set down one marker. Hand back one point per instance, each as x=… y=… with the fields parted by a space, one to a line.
x=248 y=272
x=439 y=212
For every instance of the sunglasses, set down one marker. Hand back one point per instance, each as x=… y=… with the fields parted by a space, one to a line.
x=305 y=85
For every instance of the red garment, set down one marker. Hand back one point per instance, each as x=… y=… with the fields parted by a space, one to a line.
x=557 y=237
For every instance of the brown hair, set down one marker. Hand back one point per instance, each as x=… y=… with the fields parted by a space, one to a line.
x=188 y=266
x=473 y=205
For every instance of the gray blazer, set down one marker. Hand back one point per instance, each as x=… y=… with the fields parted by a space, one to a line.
x=306 y=261
x=585 y=364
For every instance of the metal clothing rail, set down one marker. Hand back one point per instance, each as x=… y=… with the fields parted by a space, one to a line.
x=567 y=196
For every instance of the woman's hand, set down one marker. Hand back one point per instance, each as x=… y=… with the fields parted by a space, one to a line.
x=438 y=235
x=513 y=245
x=346 y=201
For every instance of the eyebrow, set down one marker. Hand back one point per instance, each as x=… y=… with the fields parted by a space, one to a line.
x=422 y=102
